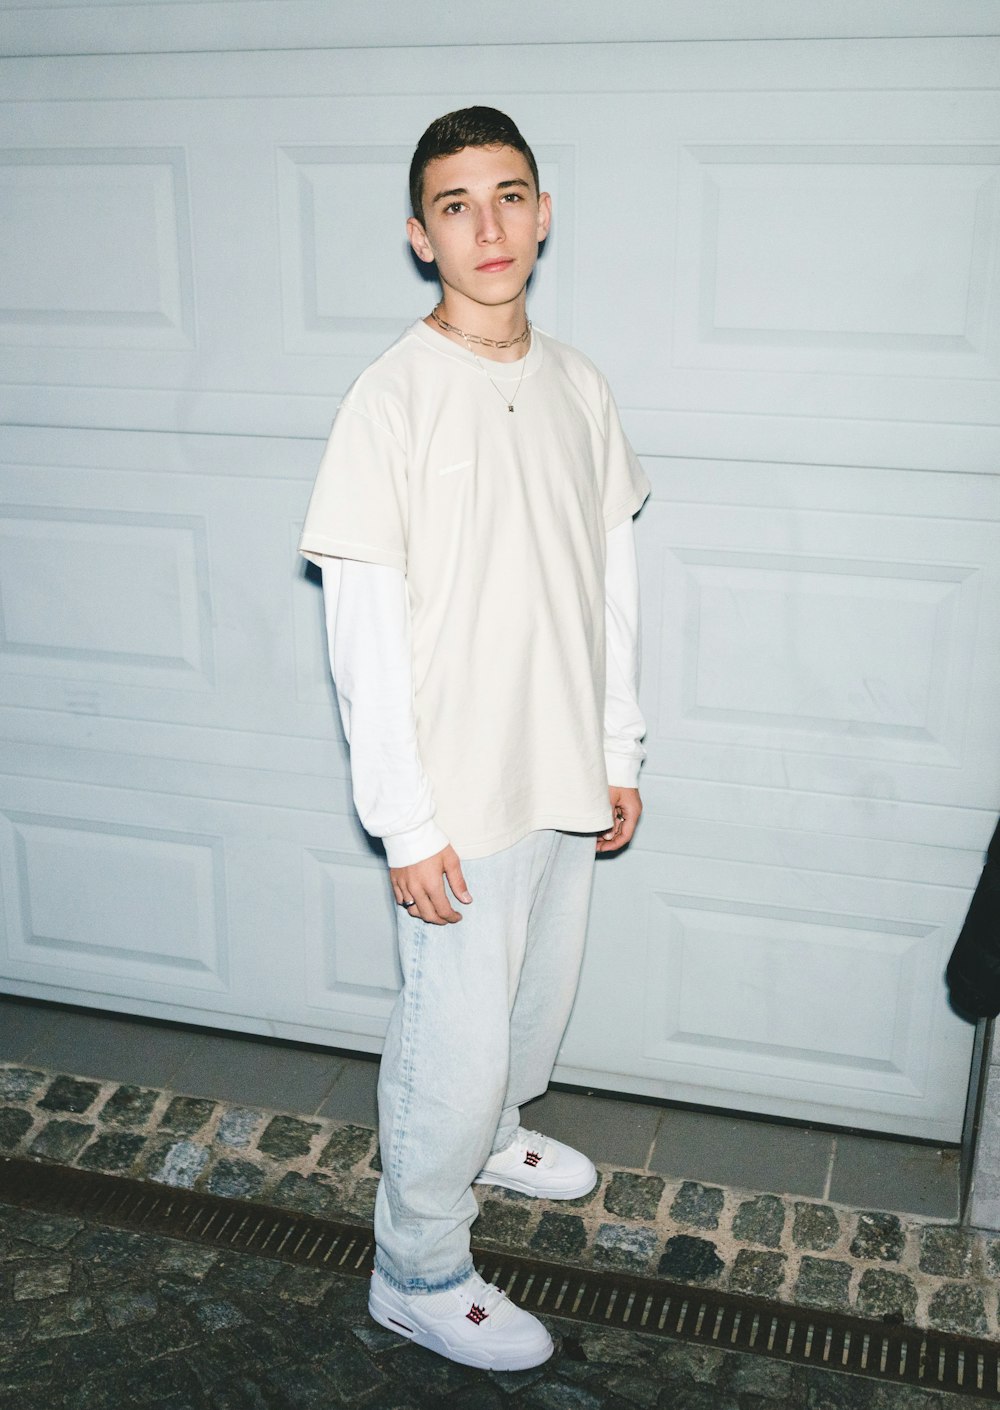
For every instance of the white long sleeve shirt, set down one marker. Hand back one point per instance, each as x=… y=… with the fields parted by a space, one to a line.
x=368 y=634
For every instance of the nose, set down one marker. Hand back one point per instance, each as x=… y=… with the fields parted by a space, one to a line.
x=490 y=227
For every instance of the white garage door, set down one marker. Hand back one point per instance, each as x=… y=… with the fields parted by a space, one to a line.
x=784 y=254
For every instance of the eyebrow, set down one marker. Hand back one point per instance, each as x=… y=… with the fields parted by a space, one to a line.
x=464 y=190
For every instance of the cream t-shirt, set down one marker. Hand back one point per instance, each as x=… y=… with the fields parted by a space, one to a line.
x=498 y=520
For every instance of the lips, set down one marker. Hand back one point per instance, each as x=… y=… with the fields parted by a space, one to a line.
x=494 y=266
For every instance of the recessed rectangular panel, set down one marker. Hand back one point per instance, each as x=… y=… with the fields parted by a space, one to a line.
x=802 y=643
x=732 y=984
x=350 y=935
x=119 y=900
x=815 y=257
x=98 y=595
x=97 y=248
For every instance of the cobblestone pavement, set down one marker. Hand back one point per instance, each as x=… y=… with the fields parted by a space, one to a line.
x=805 y=1252
x=93 y=1318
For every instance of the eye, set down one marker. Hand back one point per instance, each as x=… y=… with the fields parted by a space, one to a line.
x=512 y=196
x=453 y=207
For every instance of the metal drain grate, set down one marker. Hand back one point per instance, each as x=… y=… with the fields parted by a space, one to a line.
x=933 y=1360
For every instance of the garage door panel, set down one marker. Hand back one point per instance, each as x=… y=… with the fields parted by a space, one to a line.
x=142 y=595
x=784 y=255
x=831 y=1004
x=850 y=273
x=822 y=648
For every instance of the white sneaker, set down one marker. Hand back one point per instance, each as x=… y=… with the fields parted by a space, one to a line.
x=472 y=1323
x=536 y=1165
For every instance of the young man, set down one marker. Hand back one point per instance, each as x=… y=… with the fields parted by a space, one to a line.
x=473 y=519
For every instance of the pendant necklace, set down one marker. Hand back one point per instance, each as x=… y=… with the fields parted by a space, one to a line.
x=470 y=338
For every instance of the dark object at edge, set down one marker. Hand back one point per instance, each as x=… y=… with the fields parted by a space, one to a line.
x=974 y=967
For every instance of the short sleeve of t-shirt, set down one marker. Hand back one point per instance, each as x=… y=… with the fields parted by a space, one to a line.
x=358 y=507
x=626 y=484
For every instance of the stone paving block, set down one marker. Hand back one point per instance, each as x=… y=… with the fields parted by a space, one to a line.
x=554 y=1395
x=501 y=1223
x=992 y=1258
x=633 y=1196
x=61 y=1141
x=236 y=1179
x=122 y=1307
x=41 y=1231
x=760 y=1221
x=956 y=1307
x=759 y=1378
x=625 y=1246
x=234 y=1275
x=186 y=1115
x=346 y=1147
x=14 y=1126
x=40 y=1280
x=634 y=1389
x=304 y=1285
x=312 y=1194
x=687 y=1259
x=112 y=1151
x=19 y=1084
x=287 y=1137
x=946 y=1250
x=816 y=1226
x=113 y=1255
x=237 y=1126
x=823 y=1282
x=882 y=1293
x=65 y=1317
x=187 y=1260
x=70 y=1094
x=130 y=1106
x=163 y=1336
x=757 y=1272
x=699 y=1205
x=179 y=1165
x=216 y=1315
x=15 y=1324
x=562 y=1235
x=360 y=1199
x=879 y=1236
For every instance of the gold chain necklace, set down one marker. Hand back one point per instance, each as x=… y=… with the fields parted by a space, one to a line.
x=475 y=338
x=471 y=338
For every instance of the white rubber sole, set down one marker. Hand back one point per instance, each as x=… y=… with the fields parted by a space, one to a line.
x=388 y=1315
x=523 y=1187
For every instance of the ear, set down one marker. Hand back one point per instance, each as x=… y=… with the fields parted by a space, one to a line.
x=418 y=239
x=544 y=215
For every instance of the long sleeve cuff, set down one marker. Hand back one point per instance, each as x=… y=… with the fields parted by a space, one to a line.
x=623 y=769
x=402 y=849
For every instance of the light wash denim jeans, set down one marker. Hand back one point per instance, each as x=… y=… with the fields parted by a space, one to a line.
x=474 y=1033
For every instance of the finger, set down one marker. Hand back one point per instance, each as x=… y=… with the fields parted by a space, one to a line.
x=431 y=906
x=444 y=912
x=421 y=906
x=457 y=882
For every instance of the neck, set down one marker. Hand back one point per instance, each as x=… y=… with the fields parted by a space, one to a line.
x=502 y=323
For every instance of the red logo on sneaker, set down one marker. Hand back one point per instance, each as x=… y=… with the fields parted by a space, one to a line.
x=532 y=1157
x=477 y=1314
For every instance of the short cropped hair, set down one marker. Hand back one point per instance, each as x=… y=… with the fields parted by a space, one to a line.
x=467 y=127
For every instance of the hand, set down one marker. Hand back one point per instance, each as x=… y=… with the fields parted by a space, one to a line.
x=626 y=805
x=422 y=883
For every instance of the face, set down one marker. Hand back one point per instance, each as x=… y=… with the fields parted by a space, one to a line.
x=482 y=223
